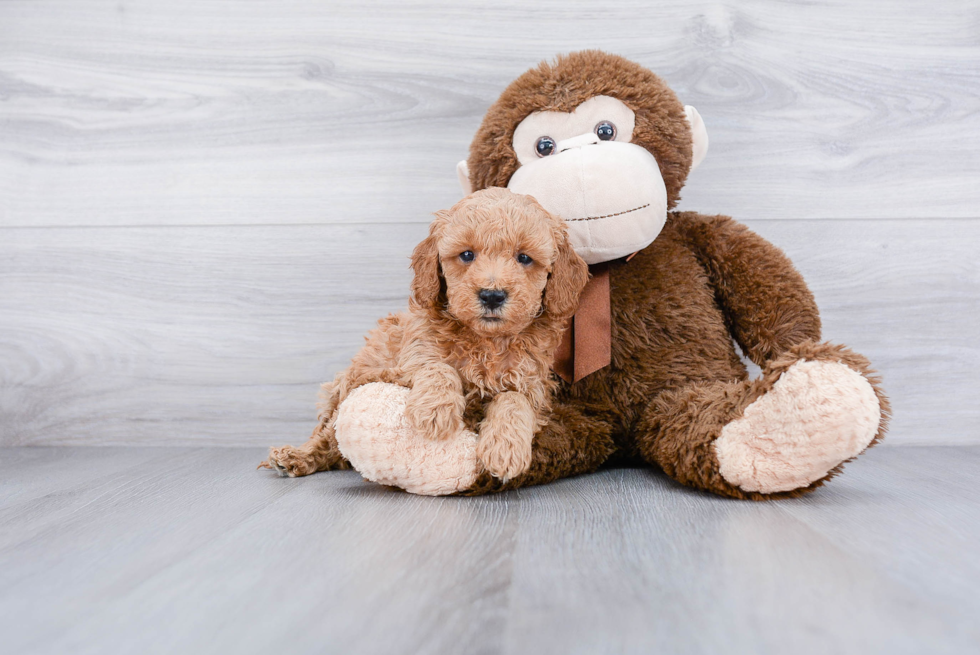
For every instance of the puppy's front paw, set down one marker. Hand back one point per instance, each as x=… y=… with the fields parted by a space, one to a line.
x=434 y=416
x=505 y=450
x=289 y=461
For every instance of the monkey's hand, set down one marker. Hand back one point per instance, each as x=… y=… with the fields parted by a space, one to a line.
x=435 y=403
x=506 y=435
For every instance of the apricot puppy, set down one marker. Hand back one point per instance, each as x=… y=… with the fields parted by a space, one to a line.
x=495 y=283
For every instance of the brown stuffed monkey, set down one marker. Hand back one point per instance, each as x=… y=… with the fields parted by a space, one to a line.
x=650 y=369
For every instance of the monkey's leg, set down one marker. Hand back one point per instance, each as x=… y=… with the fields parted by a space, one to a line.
x=374 y=433
x=571 y=443
x=814 y=408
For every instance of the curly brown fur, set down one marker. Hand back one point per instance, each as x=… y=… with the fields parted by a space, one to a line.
x=676 y=379
x=461 y=357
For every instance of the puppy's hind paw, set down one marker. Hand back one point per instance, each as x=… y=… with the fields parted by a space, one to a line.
x=273 y=465
x=289 y=462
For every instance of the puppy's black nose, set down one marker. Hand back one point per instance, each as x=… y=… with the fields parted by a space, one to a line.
x=492 y=298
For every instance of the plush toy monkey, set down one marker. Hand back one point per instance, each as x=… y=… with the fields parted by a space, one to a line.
x=649 y=365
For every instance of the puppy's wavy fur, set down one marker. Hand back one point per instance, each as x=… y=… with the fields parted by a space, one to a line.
x=467 y=362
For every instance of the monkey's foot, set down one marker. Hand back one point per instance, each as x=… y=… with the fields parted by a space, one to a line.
x=815 y=416
x=374 y=435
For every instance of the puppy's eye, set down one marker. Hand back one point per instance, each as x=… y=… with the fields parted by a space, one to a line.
x=545 y=146
x=606 y=131
x=524 y=259
x=467 y=256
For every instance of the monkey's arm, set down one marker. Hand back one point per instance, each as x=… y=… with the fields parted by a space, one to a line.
x=768 y=306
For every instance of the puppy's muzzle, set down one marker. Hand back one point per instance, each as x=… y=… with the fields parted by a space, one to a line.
x=492 y=298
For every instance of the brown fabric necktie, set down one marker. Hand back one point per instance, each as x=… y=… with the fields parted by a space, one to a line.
x=586 y=345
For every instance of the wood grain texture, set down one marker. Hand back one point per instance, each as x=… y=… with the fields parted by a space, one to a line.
x=221 y=335
x=187 y=112
x=109 y=550
x=906 y=294
x=181 y=334
x=261 y=171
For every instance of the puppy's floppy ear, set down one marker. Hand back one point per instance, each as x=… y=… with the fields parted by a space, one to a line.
x=568 y=276
x=427 y=283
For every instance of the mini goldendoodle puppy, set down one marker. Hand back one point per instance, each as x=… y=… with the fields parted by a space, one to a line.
x=495 y=283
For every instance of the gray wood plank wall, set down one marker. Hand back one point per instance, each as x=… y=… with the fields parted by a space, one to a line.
x=204 y=205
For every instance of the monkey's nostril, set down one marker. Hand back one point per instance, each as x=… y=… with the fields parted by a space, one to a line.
x=586 y=139
x=492 y=298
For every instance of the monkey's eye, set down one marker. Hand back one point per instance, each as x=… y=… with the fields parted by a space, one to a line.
x=545 y=146
x=606 y=131
x=524 y=259
x=467 y=256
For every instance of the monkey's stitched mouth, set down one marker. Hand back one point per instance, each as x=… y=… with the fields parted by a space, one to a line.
x=596 y=218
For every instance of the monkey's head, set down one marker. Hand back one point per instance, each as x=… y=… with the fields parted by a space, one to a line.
x=599 y=141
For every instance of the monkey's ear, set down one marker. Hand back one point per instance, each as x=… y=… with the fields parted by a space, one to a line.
x=427 y=282
x=568 y=276
x=463 y=173
x=699 y=135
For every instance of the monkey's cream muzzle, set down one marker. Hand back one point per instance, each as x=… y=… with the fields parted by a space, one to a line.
x=610 y=194
x=610 y=191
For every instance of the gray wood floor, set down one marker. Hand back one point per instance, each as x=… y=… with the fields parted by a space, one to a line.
x=187 y=550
